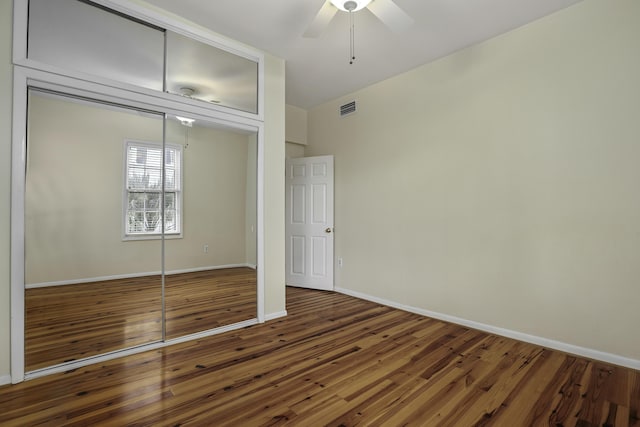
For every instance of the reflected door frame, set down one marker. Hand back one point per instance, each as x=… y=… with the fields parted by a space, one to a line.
x=27 y=77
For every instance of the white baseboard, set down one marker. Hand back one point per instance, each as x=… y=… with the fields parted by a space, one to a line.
x=276 y=315
x=133 y=275
x=520 y=336
x=5 y=379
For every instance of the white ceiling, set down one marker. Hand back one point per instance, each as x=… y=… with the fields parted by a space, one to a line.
x=318 y=70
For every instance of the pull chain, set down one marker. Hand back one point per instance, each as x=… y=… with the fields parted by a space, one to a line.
x=352 y=51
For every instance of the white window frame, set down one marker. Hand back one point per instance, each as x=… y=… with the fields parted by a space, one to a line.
x=127 y=236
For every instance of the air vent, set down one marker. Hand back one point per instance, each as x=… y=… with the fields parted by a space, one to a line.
x=348 y=108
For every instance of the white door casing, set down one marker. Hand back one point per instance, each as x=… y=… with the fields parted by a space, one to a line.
x=309 y=222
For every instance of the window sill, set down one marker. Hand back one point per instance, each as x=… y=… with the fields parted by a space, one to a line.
x=134 y=238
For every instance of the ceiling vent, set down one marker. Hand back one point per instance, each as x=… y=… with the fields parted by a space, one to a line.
x=348 y=108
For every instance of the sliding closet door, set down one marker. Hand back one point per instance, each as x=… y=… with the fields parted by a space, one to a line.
x=210 y=234
x=93 y=209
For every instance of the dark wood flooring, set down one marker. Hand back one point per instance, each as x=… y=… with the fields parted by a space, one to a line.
x=71 y=322
x=336 y=361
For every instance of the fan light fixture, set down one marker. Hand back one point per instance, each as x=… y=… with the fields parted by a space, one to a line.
x=348 y=5
x=351 y=6
x=185 y=121
x=385 y=10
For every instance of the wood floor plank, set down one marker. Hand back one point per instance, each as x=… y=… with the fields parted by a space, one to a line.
x=337 y=361
x=71 y=322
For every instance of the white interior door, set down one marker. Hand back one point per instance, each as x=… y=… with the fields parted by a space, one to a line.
x=309 y=222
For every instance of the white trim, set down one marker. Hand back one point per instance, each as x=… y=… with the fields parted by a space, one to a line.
x=63 y=367
x=46 y=76
x=18 y=176
x=5 y=379
x=276 y=315
x=20 y=24
x=260 y=232
x=520 y=336
x=131 y=276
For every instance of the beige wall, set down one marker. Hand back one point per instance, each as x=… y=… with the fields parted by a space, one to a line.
x=6 y=88
x=274 y=156
x=75 y=180
x=251 y=213
x=215 y=165
x=293 y=151
x=500 y=184
x=296 y=124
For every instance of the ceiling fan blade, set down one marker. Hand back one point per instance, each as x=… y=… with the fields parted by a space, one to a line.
x=392 y=16
x=321 y=21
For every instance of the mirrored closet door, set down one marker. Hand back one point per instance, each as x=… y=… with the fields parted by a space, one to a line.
x=91 y=287
x=210 y=255
x=138 y=228
x=140 y=186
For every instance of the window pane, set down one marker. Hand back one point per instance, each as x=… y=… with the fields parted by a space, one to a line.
x=170 y=224
x=136 y=201
x=170 y=158
x=170 y=179
x=75 y=35
x=135 y=178
x=153 y=178
x=136 y=221
x=204 y=72
x=152 y=222
x=170 y=200
x=153 y=201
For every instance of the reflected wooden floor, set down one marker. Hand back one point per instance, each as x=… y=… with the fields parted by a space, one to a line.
x=336 y=361
x=65 y=323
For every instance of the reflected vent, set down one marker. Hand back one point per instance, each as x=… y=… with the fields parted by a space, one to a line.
x=348 y=108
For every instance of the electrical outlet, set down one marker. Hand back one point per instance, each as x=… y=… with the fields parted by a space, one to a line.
x=339 y=262
x=205 y=249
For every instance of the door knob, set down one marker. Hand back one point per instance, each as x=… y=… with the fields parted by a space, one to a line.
x=327 y=230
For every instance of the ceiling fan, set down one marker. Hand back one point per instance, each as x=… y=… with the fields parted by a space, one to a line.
x=386 y=10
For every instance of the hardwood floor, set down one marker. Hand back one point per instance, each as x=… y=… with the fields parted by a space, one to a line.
x=337 y=361
x=71 y=322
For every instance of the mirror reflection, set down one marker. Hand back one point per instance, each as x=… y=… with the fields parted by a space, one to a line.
x=95 y=214
x=116 y=47
x=87 y=291
x=201 y=71
x=210 y=271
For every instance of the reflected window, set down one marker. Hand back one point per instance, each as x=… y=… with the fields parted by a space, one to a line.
x=143 y=187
